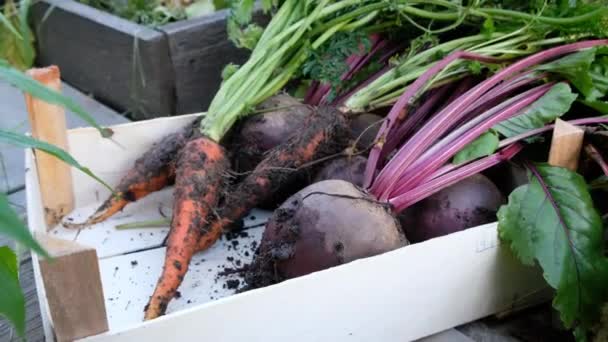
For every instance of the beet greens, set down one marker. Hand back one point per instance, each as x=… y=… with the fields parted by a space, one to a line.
x=552 y=219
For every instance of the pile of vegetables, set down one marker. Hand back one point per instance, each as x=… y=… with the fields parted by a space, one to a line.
x=408 y=109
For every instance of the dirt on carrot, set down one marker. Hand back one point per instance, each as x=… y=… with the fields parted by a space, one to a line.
x=201 y=168
x=153 y=171
x=326 y=133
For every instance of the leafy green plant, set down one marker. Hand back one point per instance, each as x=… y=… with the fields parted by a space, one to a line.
x=12 y=303
x=156 y=12
x=16 y=39
x=552 y=220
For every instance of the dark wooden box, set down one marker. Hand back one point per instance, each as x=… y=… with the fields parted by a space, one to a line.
x=170 y=70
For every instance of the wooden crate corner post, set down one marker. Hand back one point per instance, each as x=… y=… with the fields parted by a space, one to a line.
x=566 y=145
x=48 y=123
x=73 y=288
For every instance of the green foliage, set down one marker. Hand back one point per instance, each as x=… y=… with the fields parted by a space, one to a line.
x=587 y=70
x=16 y=39
x=12 y=303
x=483 y=146
x=555 y=103
x=552 y=220
x=246 y=37
x=13 y=227
x=156 y=12
x=241 y=30
x=327 y=64
x=199 y=9
x=242 y=10
x=600 y=106
x=229 y=70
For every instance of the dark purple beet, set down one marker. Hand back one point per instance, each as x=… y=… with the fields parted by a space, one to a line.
x=365 y=128
x=259 y=133
x=324 y=225
x=350 y=169
x=468 y=203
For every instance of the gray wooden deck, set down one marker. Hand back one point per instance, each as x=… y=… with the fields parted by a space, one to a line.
x=533 y=325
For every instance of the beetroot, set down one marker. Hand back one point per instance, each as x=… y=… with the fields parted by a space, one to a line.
x=350 y=169
x=324 y=225
x=364 y=127
x=468 y=203
x=259 y=133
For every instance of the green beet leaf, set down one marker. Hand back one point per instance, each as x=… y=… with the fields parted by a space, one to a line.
x=483 y=146
x=242 y=11
x=555 y=103
x=600 y=106
x=12 y=303
x=552 y=220
x=587 y=70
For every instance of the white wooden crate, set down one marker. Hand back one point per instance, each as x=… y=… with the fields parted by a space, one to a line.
x=402 y=295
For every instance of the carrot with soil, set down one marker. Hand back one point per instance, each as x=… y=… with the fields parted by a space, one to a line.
x=326 y=133
x=153 y=171
x=201 y=168
x=272 y=63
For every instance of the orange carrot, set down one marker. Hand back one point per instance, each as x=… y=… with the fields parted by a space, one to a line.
x=201 y=166
x=326 y=133
x=153 y=171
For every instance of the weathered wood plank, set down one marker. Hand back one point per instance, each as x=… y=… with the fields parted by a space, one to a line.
x=119 y=62
x=48 y=124
x=199 y=51
x=73 y=289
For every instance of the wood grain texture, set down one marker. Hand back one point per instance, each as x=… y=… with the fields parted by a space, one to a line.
x=48 y=124
x=73 y=289
x=119 y=62
x=199 y=51
x=566 y=145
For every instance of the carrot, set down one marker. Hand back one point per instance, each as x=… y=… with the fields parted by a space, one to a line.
x=326 y=133
x=201 y=166
x=153 y=171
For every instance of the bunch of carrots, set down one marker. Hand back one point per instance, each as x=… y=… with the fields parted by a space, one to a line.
x=350 y=57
